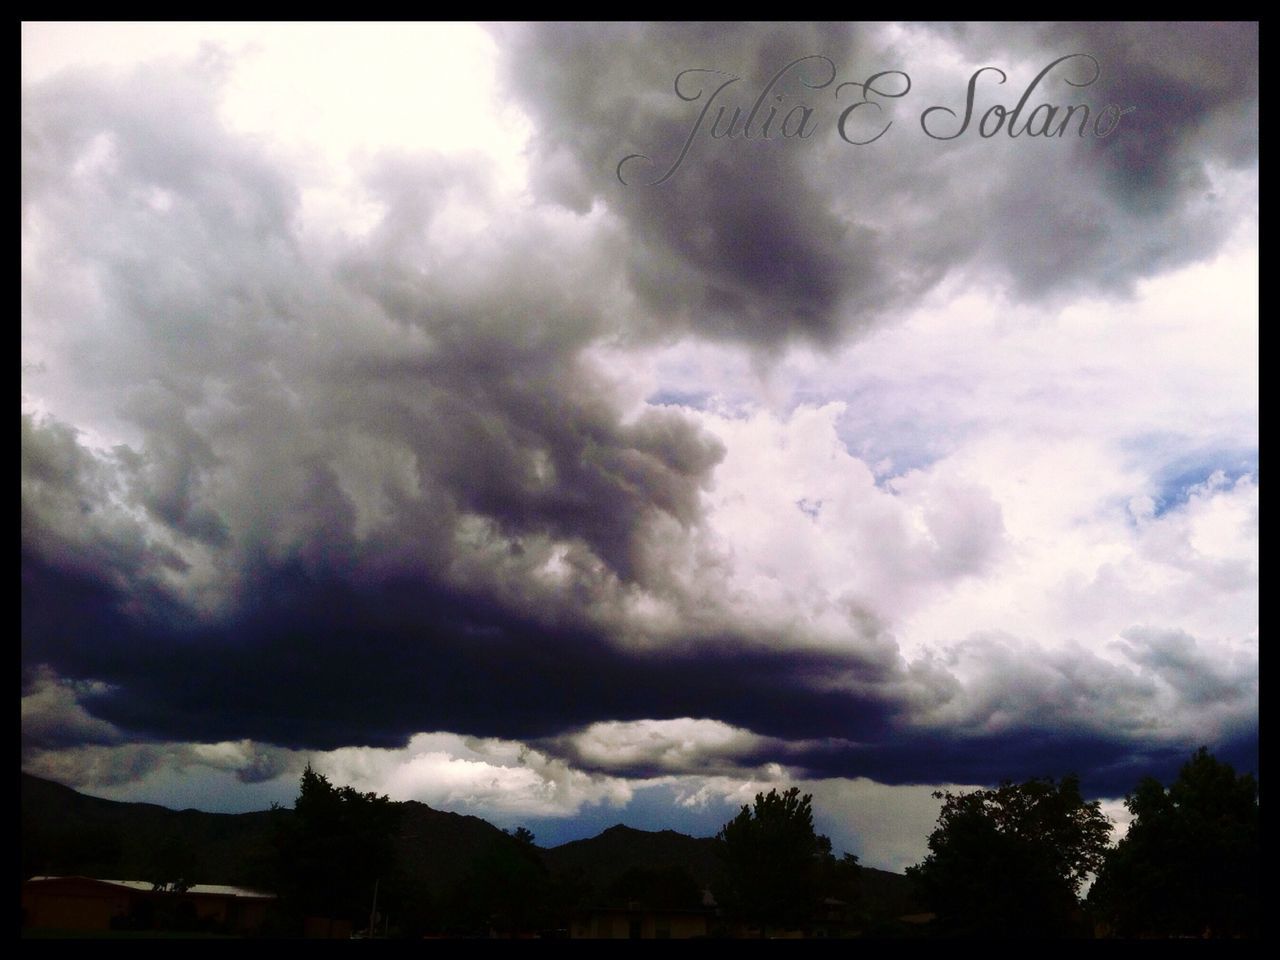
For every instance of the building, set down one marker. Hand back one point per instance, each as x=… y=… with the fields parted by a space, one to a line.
x=89 y=905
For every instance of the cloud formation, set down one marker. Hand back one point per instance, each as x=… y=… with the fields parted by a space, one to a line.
x=766 y=240
x=920 y=461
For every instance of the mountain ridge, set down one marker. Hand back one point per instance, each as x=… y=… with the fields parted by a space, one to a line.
x=65 y=832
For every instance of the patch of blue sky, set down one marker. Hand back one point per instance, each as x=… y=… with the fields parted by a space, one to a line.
x=1176 y=471
x=1176 y=480
x=727 y=406
x=693 y=399
x=891 y=450
x=895 y=431
x=652 y=807
x=810 y=508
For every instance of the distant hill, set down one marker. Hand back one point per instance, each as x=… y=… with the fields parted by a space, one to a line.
x=604 y=858
x=68 y=833
x=64 y=832
x=438 y=849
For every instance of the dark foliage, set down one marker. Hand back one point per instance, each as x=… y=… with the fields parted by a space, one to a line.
x=774 y=862
x=665 y=888
x=506 y=892
x=175 y=866
x=1010 y=862
x=334 y=849
x=1189 y=864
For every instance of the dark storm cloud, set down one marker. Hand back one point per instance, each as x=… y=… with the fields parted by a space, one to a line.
x=375 y=664
x=765 y=240
x=69 y=509
x=1108 y=767
x=319 y=665
x=738 y=244
x=1195 y=86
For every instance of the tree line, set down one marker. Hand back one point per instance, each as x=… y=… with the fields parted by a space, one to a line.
x=1030 y=859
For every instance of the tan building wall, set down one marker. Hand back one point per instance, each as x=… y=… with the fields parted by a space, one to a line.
x=90 y=905
x=73 y=904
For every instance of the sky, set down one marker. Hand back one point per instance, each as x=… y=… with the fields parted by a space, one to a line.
x=574 y=424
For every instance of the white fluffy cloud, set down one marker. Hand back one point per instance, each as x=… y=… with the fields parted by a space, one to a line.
x=678 y=746
x=451 y=772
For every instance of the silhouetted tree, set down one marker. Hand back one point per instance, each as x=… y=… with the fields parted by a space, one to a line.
x=1011 y=861
x=841 y=880
x=773 y=861
x=507 y=890
x=661 y=888
x=333 y=848
x=1189 y=863
x=94 y=850
x=173 y=866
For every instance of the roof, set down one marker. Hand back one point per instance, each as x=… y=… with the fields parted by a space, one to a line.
x=209 y=889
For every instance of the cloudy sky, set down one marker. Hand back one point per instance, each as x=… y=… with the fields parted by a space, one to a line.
x=580 y=424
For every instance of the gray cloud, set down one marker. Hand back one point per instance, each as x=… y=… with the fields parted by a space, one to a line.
x=95 y=766
x=261 y=374
x=1177 y=659
x=769 y=240
x=712 y=249
x=52 y=716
